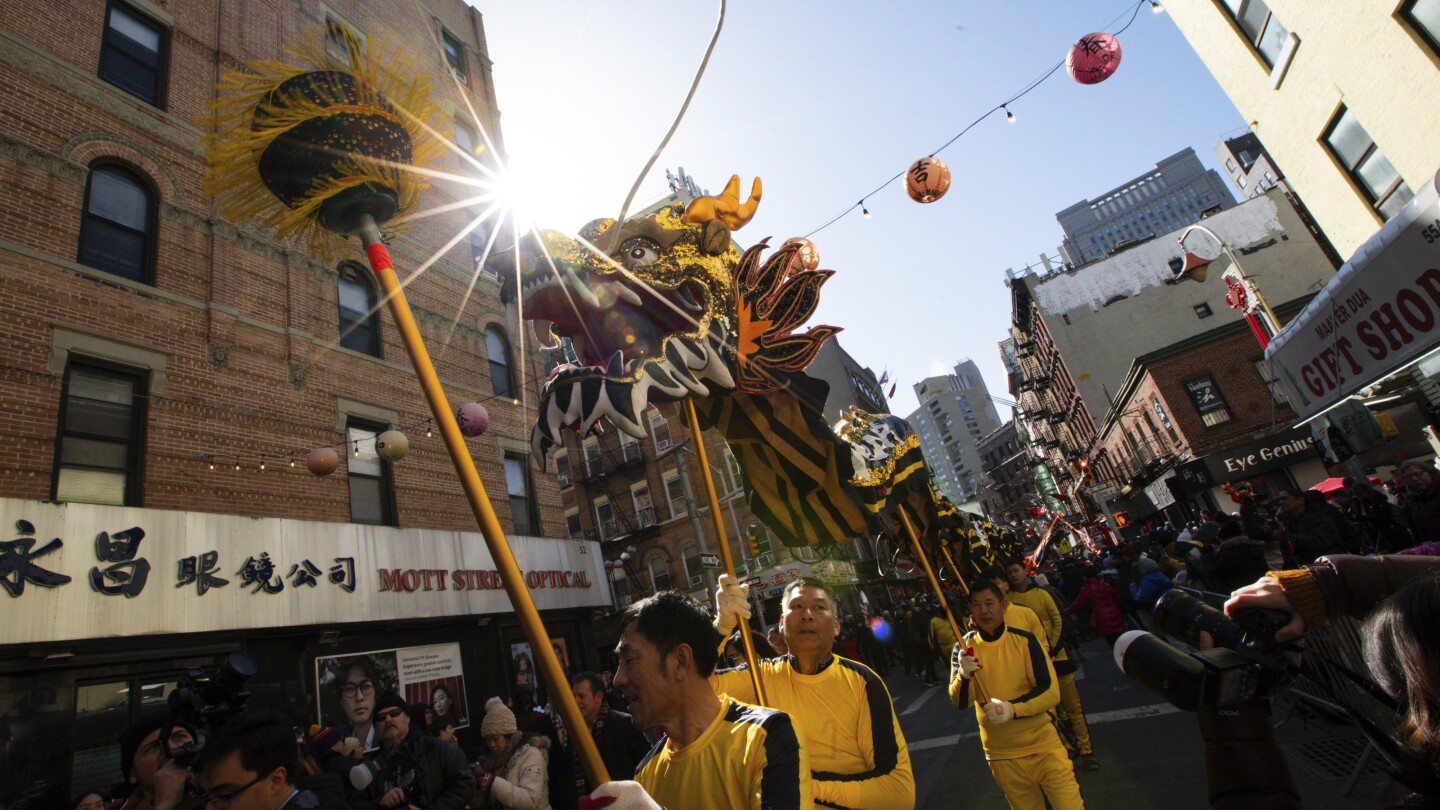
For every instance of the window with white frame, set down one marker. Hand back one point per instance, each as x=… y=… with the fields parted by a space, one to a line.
x=562 y=469
x=644 y=509
x=659 y=430
x=675 y=493
x=593 y=463
x=694 y=571
x=605 y=519
x=629 y=446
x=659 y=573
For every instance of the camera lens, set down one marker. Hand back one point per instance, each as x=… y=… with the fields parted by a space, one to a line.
x=1183 y=616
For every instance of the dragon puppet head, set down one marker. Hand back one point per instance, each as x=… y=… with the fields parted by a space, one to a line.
x=664 y=306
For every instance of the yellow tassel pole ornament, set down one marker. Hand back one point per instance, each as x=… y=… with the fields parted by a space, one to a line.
x=322 y=152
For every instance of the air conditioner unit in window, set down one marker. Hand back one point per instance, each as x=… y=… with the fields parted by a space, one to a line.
x=661 y=444
x=696 y=580
x=765 y=560
x=564 y=479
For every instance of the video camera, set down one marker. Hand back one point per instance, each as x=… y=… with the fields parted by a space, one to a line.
x=402 y=768
x=1244 y=663
x=206 y=702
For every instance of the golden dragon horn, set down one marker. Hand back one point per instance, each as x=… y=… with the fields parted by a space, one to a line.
x=727 y=207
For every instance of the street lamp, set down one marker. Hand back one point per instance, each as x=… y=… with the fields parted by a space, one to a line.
x=1243 y=293
x=621 y=564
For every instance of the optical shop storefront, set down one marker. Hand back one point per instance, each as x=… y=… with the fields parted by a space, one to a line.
x=104 y=609
x=1288 y=459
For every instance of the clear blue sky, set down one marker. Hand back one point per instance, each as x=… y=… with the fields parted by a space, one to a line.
x=825 y=101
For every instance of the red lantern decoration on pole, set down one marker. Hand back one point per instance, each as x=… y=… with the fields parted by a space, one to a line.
x=927 y=179
x=1094 y=58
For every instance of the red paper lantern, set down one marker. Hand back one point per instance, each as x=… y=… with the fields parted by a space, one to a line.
x=927 y=179
x=322 y=461
x=473 y=418
x=1094 y=58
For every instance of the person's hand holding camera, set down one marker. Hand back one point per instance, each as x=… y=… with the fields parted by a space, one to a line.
x=169 y=789
x=1267 y=593
x=394 y=797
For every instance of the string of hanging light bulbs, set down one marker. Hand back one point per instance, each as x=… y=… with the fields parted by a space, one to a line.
x=1004 y=106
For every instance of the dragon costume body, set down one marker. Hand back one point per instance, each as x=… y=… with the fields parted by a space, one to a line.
x=666 y=306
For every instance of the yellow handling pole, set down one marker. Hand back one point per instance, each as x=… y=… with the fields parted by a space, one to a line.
x=959 y=575
x=929 y=572
x=694 y=421
x=504 y=559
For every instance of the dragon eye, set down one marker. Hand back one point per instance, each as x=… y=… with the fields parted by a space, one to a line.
x=640 y=252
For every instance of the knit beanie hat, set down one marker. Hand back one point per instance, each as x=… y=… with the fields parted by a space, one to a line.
x=390 y=700
x=134 y=734
x=498 y=719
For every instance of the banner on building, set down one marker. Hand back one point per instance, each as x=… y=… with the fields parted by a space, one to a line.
x=1380 y=312
x=349 y=686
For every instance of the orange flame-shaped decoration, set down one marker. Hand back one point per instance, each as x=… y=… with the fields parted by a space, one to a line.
x=774 y=298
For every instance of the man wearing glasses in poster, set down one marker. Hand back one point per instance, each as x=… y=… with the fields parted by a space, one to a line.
x=252 y=763
x=356 y=686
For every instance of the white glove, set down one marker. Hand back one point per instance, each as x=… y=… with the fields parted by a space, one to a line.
x=620 y=796
x=999 y=711
x=732 y=604
x=963 y=662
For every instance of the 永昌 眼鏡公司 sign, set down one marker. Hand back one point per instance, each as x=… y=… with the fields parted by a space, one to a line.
x=75 y=571
x=1380 y=312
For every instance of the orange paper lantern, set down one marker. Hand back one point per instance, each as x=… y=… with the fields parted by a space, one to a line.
x=927 y=180
x=322 y=461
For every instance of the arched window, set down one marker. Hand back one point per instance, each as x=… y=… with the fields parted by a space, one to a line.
x=117 y=234
x=498 y=349
x=359 y=323
x=659 y=573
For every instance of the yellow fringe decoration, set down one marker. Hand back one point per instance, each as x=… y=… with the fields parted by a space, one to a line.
x=234 y=146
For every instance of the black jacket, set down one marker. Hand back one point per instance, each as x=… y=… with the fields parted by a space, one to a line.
x=622 y=747
x=1238 y=562
x=445 y=784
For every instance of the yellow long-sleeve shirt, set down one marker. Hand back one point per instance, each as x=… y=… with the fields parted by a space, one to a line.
x=853 y=736
x=748 y=758
x=1013 y=667
x=1040 y=601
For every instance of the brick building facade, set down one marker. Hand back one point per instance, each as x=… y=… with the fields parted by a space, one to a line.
x=152 y=348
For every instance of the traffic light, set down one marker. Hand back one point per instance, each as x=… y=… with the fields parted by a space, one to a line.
x=1084 y=465
x=1122 y=519
x=753 y=543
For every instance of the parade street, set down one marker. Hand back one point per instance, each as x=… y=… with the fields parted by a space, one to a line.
x=1151 y=754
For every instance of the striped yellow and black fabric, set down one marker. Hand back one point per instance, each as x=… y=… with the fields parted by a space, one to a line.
x=796 y=472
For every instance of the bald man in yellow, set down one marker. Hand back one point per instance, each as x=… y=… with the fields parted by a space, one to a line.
x=856 y=749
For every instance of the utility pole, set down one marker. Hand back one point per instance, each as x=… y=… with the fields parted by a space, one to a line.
x=682 y=465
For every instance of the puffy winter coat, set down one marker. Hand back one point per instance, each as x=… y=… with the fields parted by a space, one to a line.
x=1152 y=585
x=1103 y=601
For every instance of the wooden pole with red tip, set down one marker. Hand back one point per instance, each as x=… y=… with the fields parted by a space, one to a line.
x=510 y=575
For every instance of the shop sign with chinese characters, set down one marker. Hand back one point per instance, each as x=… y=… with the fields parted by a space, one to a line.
x=72 y=571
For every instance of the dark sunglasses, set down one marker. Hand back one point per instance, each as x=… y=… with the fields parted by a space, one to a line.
x=389 y=714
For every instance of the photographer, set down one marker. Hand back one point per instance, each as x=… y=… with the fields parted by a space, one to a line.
x=253 y=763
x=1399 y=646
x=412 y=770
x=159 y=783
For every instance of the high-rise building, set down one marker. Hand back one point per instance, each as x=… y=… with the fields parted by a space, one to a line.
x=1178 y=192
x=167 y=371
x=1332 y=88
x=955 y=413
